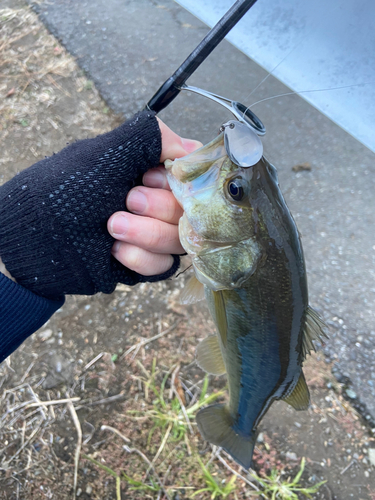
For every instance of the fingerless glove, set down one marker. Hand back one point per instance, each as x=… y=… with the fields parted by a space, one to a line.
x=53 y=215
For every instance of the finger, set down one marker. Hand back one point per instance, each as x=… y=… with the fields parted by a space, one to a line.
x=174 y=146
x=141 y=261
x=144 y=232
x=156 y=178
x=157 y=203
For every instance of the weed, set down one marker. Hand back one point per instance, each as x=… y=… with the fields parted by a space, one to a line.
x=88 y=85
x=216 y=489
x=274 y=488
x=109 y=471
x=133 y=483
x=140 y=486
x=172 y=413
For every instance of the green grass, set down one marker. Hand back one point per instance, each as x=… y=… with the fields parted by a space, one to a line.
x=168 y=414
x=274 y=488
x=215 y=489
x=133 y=483
x=171 y=414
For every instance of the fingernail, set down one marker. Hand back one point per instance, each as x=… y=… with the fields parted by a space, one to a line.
x=116 y=246
x=154 y=178
x=189 y=145
x=136 y=202
x=119 y=225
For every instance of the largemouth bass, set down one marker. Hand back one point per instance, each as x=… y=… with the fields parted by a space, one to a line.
x=248 y=262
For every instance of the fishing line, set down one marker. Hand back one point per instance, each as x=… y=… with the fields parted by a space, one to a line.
x=298 y=43
x=269 y=74
x=311 y=90
x=184 y=271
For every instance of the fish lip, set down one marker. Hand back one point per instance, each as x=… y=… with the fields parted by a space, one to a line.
x=197 y=162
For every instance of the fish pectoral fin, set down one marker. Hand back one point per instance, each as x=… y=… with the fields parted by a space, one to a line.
x=192 y=292
x=299 y=398
x=208 y=356
x=313 y=330
x=216 y=426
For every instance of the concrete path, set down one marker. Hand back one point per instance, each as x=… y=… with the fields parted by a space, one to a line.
x=129 y=49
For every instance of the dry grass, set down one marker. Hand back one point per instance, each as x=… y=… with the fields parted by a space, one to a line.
x=37 y=76
x=28 y=74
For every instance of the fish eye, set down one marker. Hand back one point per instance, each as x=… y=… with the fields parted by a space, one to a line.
x=235 y=189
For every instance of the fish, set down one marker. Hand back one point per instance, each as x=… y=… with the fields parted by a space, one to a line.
x=249 y=265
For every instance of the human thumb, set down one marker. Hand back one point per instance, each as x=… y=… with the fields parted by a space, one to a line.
x=174 y=146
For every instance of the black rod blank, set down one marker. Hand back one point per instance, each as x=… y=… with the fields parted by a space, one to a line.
x=171 y=88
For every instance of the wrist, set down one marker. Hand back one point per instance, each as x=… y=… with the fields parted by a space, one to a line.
x=4 y=271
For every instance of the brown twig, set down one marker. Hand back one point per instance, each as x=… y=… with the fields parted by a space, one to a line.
x=165 y=438
x=173 y=378
x=164 y=481
x=53 y=402
x=147 y=341
x=183 y=409
x=102 y=401
x=115 y=431
x=53 y=81
x=93 y=361
x=79 y=445
x=28 y=441
x=347 y=467
x=143 y=456
x=238 y=474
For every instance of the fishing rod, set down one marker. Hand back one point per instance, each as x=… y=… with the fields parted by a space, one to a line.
x=175 y=83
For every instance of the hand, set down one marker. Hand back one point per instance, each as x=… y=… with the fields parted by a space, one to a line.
x=147 y=236
x=61 y=206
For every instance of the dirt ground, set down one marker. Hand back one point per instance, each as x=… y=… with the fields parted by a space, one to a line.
x=100 y=402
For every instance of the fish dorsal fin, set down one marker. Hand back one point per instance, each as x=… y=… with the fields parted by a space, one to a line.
x=299 y=398
x=208 y=356
x=192 y=292
x=221 y=316
x=313 y=330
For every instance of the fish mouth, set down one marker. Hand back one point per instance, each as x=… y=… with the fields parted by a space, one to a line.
x=197 y=163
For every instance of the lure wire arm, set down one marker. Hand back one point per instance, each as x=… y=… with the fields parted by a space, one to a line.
x=238 y=110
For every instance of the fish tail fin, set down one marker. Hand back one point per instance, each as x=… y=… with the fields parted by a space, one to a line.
x=216 y=426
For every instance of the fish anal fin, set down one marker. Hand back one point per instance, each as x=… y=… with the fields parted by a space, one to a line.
x=209 y=357
x=313 y=330
x=299 y=398
x=192 y=292
x=221 y=316
x=216 y=426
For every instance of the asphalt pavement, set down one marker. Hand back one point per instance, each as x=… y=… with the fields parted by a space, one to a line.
x=129 y=48
x=311 y=45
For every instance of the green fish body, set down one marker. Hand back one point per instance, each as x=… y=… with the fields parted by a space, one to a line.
x=248 y=256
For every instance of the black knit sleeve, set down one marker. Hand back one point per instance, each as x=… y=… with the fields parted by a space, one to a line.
x=21 y=314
